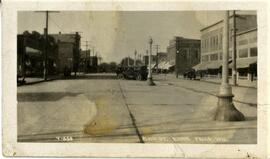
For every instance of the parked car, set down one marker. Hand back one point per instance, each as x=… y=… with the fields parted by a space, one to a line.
x=135 y=73
x=190 y=74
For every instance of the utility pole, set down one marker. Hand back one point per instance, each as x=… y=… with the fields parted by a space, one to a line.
x=150 y=79
x=135 y=53
x=177 y=56
x=234 y=76
x=86 y=54
x=157 y=47
x=46 y=47
x=45 y=62
x=147 y=56
x=226 y=110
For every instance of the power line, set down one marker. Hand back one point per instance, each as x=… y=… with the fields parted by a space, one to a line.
x=60 y=28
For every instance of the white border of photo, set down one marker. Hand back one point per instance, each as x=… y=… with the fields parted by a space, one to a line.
x=11 y=147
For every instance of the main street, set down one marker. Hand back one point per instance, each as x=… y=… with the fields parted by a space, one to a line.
x=128 y=111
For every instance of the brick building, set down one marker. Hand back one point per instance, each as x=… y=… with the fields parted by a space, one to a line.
x=246 y=44
x=183 y=54
x=30 y=54
x=68 y=51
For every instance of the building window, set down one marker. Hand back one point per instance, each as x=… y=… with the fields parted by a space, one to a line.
x=253 y=51
x=220 y=56
x=205 y=58
x=220 y=41
x=217 y=42
x=214 y=57
x=214 y=43
x=242 y=53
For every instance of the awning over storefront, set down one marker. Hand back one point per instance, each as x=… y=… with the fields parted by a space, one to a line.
x=161 y=64
x=167 y=66
x=164 y=65
x=33 y=52
x=209 y=65
x=153 y=65
x=201 y=66
x=214 y=65
x=244 y=62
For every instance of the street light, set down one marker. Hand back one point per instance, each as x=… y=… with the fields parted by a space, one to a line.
x=135 y=53
x=226 y=110
x=149 y=78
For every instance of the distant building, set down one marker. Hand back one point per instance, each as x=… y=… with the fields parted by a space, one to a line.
x=68 y=51
x=183 y=54
x=88 y=63
x=246 y=44
x=153 y=60
x=161 y=62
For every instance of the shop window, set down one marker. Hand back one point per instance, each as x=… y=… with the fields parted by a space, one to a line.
x=220 y=42
x=253 y=51
x=243 y=53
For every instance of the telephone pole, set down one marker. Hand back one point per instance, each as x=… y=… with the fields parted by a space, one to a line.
x=45 y=62
x=157 y=47
x=86 y=54
x=150 y=78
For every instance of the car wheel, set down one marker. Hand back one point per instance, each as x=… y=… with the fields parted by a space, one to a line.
x=139 y=77
x=120 y=76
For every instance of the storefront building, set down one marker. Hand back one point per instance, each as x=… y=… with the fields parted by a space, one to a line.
x=183 y=54
x=246 y=46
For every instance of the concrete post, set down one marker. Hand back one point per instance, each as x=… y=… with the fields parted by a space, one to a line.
x=249 y=76
x=234 y=81
x=149 y=78
x=226 y=110
x=219 y=75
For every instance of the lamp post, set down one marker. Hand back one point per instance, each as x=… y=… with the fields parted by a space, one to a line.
x=226 y=110
x=234 y=78
x=128 y=61
x=149 y=78
x=135 y=53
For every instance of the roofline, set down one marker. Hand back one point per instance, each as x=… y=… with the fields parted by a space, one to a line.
x=217 y=23
x=211 y=25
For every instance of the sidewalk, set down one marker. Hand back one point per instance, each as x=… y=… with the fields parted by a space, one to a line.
x=240 y=82
x=34 y=80
x=246 y=95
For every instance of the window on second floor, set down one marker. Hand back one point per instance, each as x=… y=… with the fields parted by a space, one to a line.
x=253 y=52
x=242 y=53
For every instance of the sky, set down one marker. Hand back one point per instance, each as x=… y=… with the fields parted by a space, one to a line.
x=117 y=34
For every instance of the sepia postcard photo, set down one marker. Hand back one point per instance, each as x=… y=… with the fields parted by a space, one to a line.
x=135 y=79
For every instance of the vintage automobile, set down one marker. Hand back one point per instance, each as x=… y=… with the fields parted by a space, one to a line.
x=190 y=74
x=135 y=73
